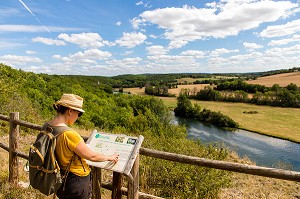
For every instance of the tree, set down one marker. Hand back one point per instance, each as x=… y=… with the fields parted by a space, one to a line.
x=292 y=87
x=208 y=93
x=184 y=106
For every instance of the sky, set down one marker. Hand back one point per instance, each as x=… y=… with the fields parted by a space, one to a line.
x=115 y=37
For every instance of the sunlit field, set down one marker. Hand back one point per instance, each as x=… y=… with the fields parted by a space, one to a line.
x=273 y=121
x=283 y=79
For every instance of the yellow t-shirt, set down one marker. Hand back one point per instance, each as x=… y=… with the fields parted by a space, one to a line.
x=65 y=145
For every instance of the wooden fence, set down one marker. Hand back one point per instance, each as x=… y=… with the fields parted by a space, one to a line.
x=132 y=190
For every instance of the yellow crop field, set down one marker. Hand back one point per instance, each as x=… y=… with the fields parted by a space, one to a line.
x=194 y=88
x=283 y=79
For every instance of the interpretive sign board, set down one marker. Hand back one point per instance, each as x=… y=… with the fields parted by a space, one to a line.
x=108 y=144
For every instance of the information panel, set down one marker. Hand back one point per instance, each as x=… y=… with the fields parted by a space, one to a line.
x=108 y=144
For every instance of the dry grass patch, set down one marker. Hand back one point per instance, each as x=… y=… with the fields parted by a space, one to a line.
x=283 y=79
x=256 y=187
x=194 y=88
x=135 y=91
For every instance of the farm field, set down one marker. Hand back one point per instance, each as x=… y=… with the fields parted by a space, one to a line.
x=273 y=121
x=283 y=79
x=176 y=91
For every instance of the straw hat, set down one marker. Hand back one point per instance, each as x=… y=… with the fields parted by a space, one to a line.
x=71 y=101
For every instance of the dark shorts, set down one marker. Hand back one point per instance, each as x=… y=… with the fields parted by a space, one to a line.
x=76 y=187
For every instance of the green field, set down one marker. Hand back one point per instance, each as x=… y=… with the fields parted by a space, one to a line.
x=273 y=121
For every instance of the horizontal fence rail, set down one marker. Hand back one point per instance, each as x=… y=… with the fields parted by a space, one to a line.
x=216 y=164
x=229 y=166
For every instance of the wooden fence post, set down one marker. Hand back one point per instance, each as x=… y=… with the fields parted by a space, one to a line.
x=13 y=146
x=117 y=185
x=133 y=186
x=96 y=175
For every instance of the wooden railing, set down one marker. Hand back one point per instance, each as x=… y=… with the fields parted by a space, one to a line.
x=132 y=190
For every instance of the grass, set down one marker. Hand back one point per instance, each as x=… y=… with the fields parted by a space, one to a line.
x=249 y=186
x=273 y=121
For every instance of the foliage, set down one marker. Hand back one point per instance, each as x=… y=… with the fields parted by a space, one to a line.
x=186 y=109
x=119 y=113
x=159 y=90
x=241 y=85
x=274 y=96
x=175 y=180
x=208 y=94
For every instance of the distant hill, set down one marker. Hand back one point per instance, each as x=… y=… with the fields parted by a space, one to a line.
x=282 y=79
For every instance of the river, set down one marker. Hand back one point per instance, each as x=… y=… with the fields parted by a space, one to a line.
x=263 y=150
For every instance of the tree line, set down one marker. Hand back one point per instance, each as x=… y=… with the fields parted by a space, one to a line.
x=237 y=91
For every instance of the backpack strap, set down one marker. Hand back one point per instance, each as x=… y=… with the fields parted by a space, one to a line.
x=55 y=131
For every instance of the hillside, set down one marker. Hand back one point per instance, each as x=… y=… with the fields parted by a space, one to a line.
x=32 y=95
x=283 y=79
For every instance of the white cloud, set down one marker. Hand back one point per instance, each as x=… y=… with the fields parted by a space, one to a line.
x=136 y=22
x=172 y=60
x=131 y=40
x=19 y=60
x=281 y=30
x=10 y=44
x=221 y=51
x=156 y=50
x=236 y=60
x=194 y=53
x=153 y=36
x=118 y=23
x=30 y=52
x=226 y=18
x=271 y=59
x=139 y=3
x=48 y=41
x=125 y=62
x=280 y=42
x=252 y=46
x=146 y=5
x=279 y=52
x=86 y=57
x=91 y=54
x=128 y=52
x=84 y=40
x=177 y=43
x=31 y=28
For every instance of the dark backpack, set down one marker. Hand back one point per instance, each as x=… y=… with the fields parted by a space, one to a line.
x=44 y=171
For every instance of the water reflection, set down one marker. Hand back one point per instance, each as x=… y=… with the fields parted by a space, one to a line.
x=264 y=150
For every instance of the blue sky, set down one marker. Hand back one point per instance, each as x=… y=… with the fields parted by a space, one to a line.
x=113 y=37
